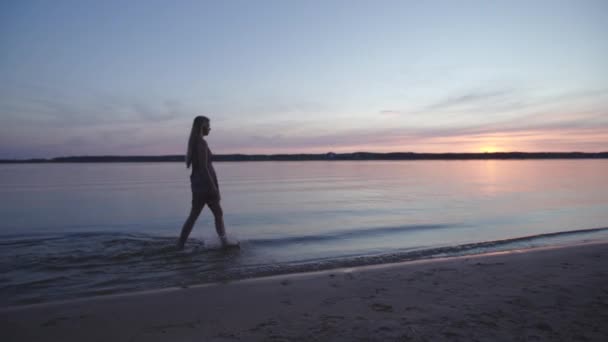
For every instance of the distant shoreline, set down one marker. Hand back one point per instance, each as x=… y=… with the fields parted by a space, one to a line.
x=359 y=156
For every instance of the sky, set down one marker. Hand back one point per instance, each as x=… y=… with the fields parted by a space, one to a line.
x=128 y=77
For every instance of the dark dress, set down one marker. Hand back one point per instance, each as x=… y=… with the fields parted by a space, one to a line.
x=199 y=181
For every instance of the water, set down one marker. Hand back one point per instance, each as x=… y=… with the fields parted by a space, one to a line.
x=74 y=230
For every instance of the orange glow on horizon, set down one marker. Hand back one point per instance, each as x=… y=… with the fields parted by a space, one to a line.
x=490 y=149
x=533 y=140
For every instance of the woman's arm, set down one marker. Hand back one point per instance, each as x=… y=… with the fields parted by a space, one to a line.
x=203 y=162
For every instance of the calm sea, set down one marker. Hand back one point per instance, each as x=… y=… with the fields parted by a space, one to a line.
x=74 y=230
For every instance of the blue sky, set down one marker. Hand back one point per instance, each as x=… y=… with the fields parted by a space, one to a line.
x=127 y=77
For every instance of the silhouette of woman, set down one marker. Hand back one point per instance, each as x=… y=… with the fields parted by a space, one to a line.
x=203 y=182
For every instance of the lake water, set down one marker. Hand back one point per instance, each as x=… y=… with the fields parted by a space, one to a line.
x=74 y=230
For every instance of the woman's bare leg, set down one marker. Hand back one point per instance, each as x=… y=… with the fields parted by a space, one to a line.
x=218 y=214
x=187 y=228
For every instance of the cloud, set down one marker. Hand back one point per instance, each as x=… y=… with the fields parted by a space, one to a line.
x=390 y=112
x=530 y=130
x=470 y=99
x=507 y=102
x=47 y=126
x=35 y=104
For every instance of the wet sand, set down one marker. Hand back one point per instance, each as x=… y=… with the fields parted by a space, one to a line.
x=547 y=294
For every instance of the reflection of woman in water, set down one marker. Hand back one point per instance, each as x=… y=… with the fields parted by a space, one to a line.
x=203 y=181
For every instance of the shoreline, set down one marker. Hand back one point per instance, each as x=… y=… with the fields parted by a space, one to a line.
x=405 y=300
x=304 y=274
x=357 y=266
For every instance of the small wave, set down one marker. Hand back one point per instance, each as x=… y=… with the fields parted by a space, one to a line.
x=88 y=250
x=447 y=251
x=73 y=264
x=410 y=254
x=348 y=234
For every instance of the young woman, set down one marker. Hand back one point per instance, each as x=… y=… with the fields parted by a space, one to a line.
x=203 y=182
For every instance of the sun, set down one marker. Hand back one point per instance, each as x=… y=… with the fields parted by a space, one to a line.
x=489 y=149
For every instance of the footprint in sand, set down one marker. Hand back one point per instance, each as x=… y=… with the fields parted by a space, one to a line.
x=54 y=321
x=332 y=300
x=543 y=326
x=381 y=307
x=263 y=325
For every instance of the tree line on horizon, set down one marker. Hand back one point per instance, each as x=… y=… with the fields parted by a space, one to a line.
x=323 y=156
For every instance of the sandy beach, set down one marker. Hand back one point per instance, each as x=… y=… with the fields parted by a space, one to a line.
x=545 y=294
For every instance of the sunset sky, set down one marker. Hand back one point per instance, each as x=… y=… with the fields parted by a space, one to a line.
x=127 y=77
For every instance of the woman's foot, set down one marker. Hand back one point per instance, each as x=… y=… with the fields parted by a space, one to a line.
x=228 y=244
x=180 y=245
x=224 y=240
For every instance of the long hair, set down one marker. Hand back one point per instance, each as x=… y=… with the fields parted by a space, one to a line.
x=195 y=134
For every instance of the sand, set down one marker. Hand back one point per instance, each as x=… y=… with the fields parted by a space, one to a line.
x=547 y=294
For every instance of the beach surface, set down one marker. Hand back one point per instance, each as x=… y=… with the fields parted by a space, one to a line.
x=544 y=294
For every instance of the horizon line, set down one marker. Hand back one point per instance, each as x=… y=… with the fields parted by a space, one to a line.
x=326 y=155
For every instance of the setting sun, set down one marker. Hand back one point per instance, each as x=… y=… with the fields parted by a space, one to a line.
x=490 y=149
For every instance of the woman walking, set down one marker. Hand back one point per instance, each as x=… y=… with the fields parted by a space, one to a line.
x=203 y=181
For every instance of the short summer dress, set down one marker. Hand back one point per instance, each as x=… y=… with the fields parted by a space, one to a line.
x=201 y=189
